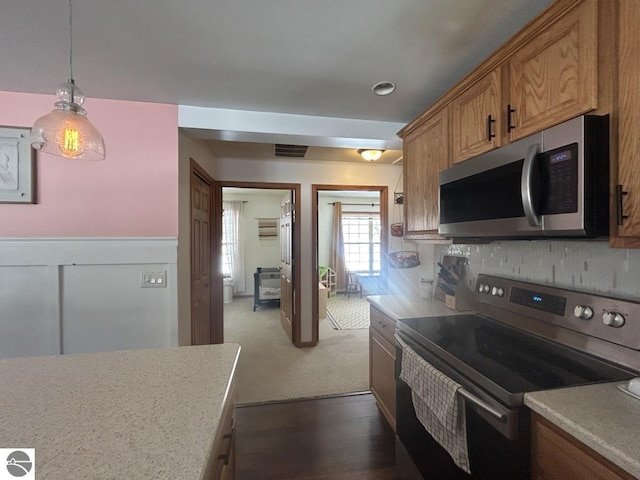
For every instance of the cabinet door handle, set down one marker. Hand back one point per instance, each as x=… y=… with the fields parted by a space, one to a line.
x=510 y=111
x=490 y=122
x=228 y=436
x=619 y=208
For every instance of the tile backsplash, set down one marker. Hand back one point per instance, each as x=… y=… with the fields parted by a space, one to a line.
x=585 y=265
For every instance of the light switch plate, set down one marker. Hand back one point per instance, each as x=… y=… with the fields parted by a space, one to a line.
x=153 y=279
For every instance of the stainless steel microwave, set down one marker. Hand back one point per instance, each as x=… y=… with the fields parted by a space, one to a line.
x=552 y=184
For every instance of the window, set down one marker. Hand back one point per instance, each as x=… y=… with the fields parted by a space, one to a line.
x=361 y=233
x=232 y=244
x=228 y=241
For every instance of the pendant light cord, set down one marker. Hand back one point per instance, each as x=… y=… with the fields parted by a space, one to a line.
x=70 y=41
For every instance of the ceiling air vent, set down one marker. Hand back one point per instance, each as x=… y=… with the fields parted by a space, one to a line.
x=290 y=151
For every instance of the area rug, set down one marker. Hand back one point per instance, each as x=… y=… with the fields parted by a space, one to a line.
x=348 y=313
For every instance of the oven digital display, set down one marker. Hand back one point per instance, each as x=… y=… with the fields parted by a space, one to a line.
x=547 y=303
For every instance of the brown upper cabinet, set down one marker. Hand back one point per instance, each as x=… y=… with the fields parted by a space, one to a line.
x=554 y=77
x=425 y=153
x=477 y=123
x=625 y=217
x=577 y=57
x=550 y=78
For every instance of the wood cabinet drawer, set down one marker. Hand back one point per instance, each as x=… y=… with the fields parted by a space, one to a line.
x=384 y=325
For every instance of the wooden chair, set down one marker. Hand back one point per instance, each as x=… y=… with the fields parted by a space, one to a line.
x=352 y=286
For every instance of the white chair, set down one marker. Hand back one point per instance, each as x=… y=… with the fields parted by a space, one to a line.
x=352 y=286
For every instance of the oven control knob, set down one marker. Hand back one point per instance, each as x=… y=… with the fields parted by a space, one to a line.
x=583 y=312
x=613 y=319
x=497 y=291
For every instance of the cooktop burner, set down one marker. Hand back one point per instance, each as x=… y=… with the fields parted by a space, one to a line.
x=514 y=360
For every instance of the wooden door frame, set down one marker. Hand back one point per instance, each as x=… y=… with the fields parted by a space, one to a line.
x=383 y=190
x=215 y=286
x=296 y=238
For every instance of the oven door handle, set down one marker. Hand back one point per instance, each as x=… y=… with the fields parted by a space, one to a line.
x=478 y=402
x=482 y=404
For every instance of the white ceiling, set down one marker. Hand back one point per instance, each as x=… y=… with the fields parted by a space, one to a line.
x=289 y=56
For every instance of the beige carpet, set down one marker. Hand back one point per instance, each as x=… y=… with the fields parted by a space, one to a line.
x=348 y=313
x=270 y=368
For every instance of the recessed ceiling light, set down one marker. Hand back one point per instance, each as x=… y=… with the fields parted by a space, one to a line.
x=384 y=88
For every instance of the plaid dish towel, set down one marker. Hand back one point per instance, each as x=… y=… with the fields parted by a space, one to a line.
x=437 y=405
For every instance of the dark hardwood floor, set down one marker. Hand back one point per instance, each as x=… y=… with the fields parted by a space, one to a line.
x=325 y=439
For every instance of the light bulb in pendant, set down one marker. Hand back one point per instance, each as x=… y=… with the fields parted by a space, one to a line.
x=66 y=131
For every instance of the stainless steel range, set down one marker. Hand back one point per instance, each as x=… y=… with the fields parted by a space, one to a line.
x=523 y=337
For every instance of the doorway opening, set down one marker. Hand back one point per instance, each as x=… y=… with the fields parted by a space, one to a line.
x=350 y=264
x=259 y=260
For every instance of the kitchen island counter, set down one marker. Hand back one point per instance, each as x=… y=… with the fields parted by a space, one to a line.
x=135 y=414
x=600 y=416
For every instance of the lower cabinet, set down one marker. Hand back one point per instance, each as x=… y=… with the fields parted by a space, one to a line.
x=382 y=359
x=556 y=454
x=222 y=461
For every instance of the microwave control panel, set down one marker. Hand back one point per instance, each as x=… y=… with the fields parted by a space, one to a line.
x=559 y=180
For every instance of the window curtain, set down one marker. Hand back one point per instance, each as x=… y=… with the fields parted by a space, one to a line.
x=236 y=238
x=337 y=247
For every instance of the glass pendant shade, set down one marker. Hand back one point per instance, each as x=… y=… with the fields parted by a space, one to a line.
x=66 y=131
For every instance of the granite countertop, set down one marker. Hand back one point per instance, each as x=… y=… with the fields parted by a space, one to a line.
x=399 y=308
x=600 y=416
x=135 y=414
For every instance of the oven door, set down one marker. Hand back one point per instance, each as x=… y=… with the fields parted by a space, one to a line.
x=498 y=449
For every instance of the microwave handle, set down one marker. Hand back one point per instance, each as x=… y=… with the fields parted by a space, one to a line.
x=526 y=185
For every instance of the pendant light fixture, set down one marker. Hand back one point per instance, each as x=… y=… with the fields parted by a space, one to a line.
x=66 y=131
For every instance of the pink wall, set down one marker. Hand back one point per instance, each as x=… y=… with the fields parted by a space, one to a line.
x=133 y=192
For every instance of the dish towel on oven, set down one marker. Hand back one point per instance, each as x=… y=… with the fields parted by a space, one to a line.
x=437 y=405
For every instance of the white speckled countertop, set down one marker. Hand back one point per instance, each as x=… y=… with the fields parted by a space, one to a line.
x=398 y=307
x=136 y=414
x=600 y=416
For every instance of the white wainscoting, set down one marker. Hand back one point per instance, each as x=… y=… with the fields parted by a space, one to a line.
x=76 y=295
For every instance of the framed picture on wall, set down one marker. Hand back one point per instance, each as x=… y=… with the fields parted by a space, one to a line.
x=17 y=171
x=267 y=228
